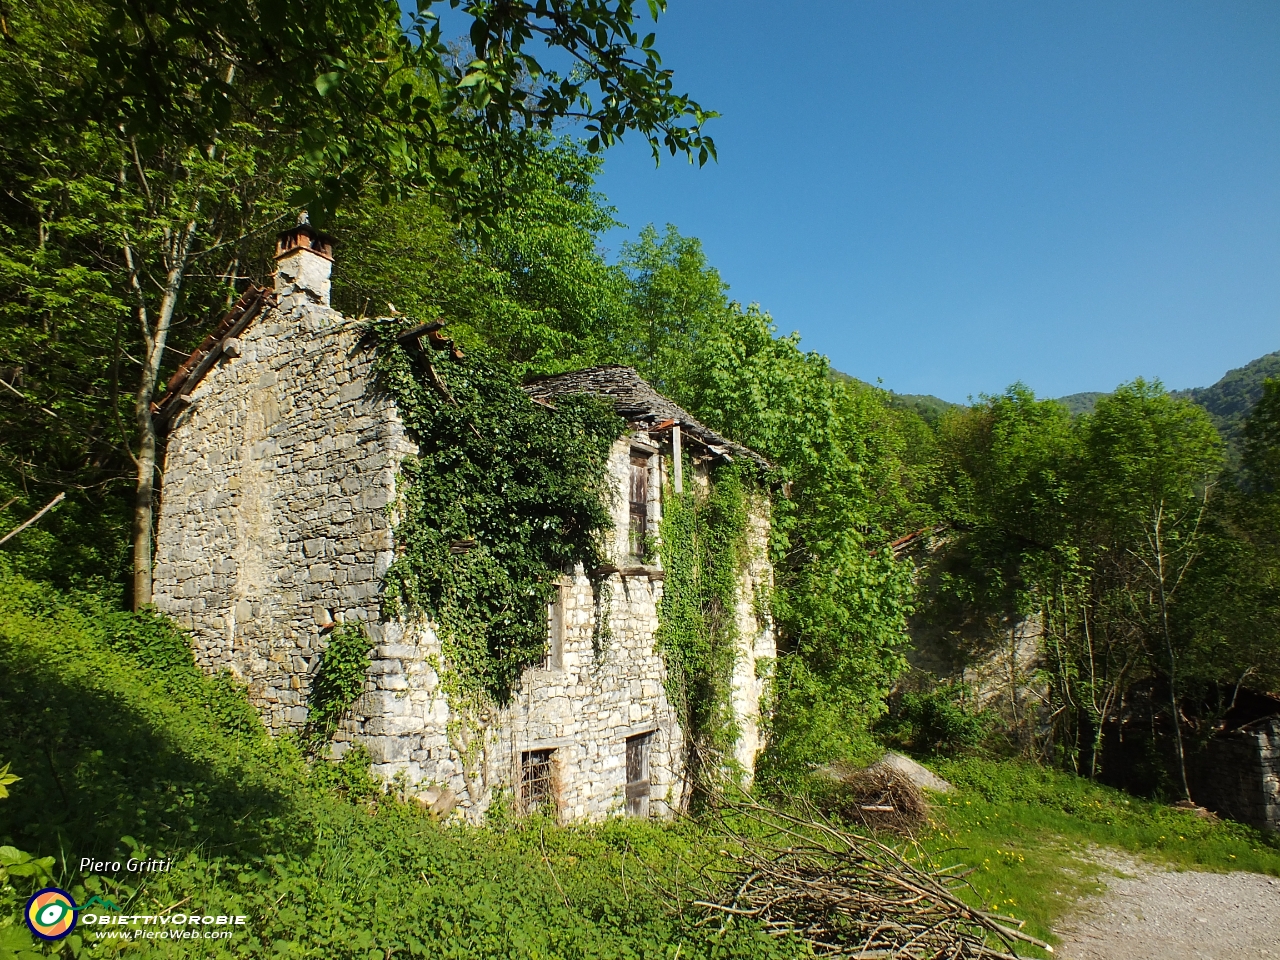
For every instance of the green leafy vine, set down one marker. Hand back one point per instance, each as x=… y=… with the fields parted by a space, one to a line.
x=704 y=548
x=340 y=678
x=503 y=497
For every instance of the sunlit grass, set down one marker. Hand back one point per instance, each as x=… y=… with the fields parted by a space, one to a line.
x=1030 y=836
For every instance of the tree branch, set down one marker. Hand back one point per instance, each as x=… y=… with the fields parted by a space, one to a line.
x=47 y=507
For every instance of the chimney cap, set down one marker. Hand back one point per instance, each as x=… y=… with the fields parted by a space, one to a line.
x=304 y=237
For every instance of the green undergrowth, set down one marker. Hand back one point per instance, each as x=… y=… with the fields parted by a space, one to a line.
x=340 y=678
x=125 y=749
x=1032 y=835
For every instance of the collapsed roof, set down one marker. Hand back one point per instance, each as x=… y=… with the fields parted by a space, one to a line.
x=643 y=407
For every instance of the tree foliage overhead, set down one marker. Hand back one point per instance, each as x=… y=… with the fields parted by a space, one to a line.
x=375 y=99
x=532 y=286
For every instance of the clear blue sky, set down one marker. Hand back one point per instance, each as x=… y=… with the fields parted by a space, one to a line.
x=953 y=196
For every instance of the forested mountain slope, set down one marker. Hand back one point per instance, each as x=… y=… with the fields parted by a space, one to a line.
x=1229 y=401
x=928 y=407
x=1081 y=402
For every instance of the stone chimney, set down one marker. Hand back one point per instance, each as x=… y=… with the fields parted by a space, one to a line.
x=304 y=258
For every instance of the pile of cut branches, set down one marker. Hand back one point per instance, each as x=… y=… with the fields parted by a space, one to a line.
x=849 y=896
x=879 y=797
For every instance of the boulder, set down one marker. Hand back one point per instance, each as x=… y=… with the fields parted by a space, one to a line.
x=920 y=775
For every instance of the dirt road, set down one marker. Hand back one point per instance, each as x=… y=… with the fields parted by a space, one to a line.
x=1151 y=913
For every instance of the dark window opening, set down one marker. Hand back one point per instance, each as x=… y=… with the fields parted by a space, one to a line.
x=639 y=499
x=536 y=787
x=638 y=774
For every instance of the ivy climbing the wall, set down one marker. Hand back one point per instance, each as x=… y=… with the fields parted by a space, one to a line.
x=339 y=679
x=704 y=548
x=504 y=496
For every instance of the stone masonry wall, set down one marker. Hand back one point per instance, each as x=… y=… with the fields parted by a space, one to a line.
x=603 y=681
x=1238 y=774
x=273 y=521
x=583 y=707
x=757 y=644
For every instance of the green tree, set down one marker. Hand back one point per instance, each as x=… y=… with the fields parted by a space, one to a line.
x=1102 y=526
x=532 y=286
x=1003 y=483
x=150 y=234
x=676 y=297
x=1152 y=462
x=379 y=103
x=178 y=130
x=1262 y=440
x=1231 y=629
x=840 y=599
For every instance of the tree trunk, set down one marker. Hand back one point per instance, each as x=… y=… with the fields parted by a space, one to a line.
x=1177 y=724
x=148 y=443
x=144 y=509
x=1162 y=582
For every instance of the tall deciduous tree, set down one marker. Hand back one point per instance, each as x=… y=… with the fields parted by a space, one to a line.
x=840 y=598
x=1152 y=462
x=531 y=285
x=1101 y=527
x=203 y=117
x=676 y=299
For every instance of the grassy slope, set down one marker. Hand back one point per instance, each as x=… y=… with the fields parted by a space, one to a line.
x=1025 y=828
x=125 y=749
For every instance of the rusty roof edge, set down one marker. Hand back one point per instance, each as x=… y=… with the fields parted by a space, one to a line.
x=192 y=370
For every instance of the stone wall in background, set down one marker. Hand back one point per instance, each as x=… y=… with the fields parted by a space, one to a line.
x=1238 y=774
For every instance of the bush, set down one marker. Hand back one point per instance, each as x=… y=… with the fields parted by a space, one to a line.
x=339 y=680
x=933 y=722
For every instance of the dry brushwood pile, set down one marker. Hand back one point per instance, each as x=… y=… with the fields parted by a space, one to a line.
x=850 y=896
x=879 y=797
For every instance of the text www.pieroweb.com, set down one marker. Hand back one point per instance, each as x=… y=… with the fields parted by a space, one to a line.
x=128 y=934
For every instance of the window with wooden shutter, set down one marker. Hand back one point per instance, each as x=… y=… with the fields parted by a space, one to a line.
x=638 y=748
x=537 y=787
x=638 y=496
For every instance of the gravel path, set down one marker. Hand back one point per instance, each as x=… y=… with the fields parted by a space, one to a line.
x=1151 y=913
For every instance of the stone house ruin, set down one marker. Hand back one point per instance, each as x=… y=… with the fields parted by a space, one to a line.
x=277 y=522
